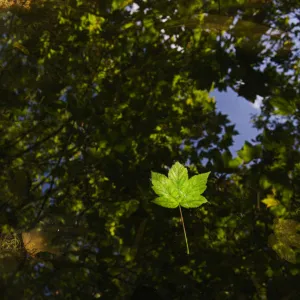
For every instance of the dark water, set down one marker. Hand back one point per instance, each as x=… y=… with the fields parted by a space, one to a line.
x=96 y=96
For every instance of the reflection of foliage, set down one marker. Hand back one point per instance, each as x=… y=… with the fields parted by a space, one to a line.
x=5 y=4
x=270 y=200
x=12 y=252
x=286 y=239
x=11 y=243
x=95 y=97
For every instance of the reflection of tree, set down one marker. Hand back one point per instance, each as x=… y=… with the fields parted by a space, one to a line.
x=88 y=114
x=219 y=17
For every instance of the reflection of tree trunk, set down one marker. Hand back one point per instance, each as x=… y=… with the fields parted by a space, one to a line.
x=222 y=6
x=241 y=28
x=250 y=30
x=218 y=23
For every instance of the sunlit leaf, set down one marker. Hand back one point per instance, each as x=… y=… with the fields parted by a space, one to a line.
x=178 y=190
x=178 y=174
x=193 y=201
x=270 y=201
x=249 y=152
x=166 y=202
x=235 y=163
x=283 y=106
x=164 y=187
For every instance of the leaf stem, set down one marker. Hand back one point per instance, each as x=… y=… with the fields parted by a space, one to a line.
x=186 y=240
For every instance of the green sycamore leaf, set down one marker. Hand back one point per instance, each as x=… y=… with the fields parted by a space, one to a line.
x=192 y=190
x=178 y=174
x=178 y=190
x=166 y=189
x=191 y=202
x=166 y=202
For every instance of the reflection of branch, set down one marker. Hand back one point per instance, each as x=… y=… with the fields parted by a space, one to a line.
x=222 y=23
x=51 y=184
x=242 y=27
x=22 y=136
x=261 y=290
x=45 y=200
x=138 y=237
x=9 y=29
x=225 y=6
x=36 y=144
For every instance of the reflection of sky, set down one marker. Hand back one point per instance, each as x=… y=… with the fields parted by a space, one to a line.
x=238 y=109
x=239 y=112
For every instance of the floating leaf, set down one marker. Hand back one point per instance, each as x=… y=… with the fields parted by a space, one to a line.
x=193 y=202
x=178 y=174
x=166 y=202
x=192 y=190
x=178 y=190
x=164 y=187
